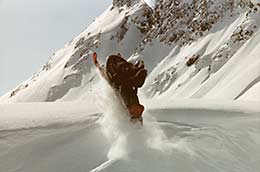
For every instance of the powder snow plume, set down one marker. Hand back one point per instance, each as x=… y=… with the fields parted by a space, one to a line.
x=128 y=137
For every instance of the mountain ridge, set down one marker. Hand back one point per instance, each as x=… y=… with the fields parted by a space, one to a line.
x=181 y=42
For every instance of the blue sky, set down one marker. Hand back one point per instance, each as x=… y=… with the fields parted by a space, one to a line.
x=31 y=30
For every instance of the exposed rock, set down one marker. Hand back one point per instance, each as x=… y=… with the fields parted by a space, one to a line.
x=121 y=3
x=192 y=60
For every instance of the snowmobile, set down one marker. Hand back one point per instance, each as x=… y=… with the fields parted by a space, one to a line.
x=125 y=78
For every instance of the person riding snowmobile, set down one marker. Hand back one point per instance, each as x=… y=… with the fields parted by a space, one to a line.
x=127 y=78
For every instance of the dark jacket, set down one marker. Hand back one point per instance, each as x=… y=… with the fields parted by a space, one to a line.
x=123 y=73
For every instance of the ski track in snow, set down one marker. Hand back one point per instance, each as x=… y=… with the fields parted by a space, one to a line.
x=171 y=139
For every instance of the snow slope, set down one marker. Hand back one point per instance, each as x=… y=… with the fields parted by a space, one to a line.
x=192 y=49
x=194 y=137
x=202 y=94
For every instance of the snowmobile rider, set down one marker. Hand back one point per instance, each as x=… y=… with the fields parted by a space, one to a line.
x=127 y=78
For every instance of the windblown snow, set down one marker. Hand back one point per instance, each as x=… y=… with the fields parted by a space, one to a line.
x=202 y=94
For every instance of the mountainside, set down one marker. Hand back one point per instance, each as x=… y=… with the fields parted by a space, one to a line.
x=201 y=55
x=192 y=49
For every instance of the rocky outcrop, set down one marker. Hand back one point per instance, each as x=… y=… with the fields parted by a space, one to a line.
x=183 y=22
x=121 y=3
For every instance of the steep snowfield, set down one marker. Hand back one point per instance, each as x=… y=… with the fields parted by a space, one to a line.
x=211 y=53
x=229 y=76
x=202 y=94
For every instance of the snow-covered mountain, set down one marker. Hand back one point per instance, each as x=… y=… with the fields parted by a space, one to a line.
x=192 y=49
x=202 y=94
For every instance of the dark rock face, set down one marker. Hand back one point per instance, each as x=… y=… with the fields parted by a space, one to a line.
x=182 y=22
x=120 y=3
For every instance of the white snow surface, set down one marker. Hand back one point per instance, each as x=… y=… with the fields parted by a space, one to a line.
x=177 y=135
x=200 y=116
x=151 y=3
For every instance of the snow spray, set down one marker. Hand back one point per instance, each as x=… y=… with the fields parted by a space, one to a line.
x=125 y=136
